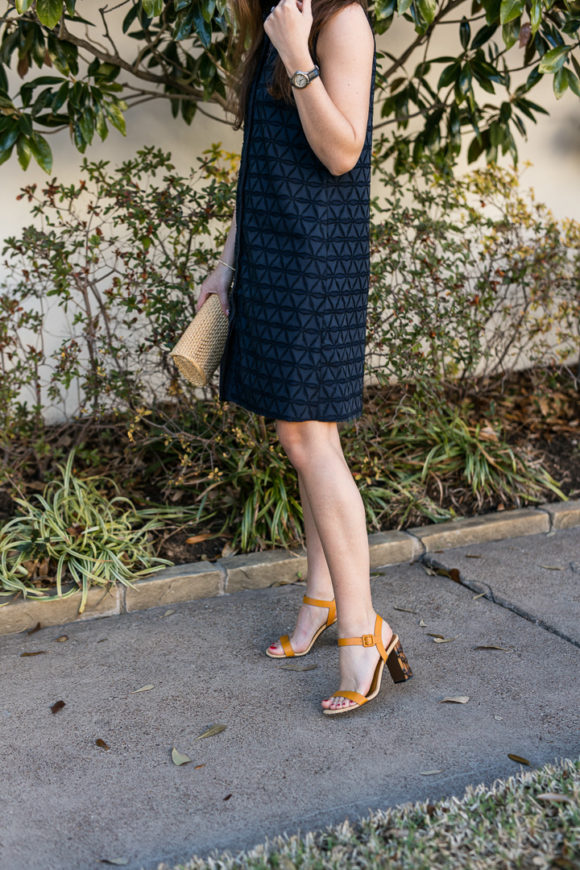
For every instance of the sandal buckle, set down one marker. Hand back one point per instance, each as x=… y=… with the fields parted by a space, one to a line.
x=368 y=640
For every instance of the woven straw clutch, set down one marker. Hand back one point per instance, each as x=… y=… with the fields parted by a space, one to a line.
x=198 y=352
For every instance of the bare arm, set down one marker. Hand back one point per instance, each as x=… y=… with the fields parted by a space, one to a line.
x=333 y=108
x=220 y=279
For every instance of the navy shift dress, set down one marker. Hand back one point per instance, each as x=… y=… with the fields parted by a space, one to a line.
x=298 y=304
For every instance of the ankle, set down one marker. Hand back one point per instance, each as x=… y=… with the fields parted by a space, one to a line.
x=322 y=591
x=355 y=625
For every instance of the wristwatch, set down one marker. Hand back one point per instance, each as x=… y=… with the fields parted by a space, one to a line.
x=301 y=79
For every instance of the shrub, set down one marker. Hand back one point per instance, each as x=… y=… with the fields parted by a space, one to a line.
x=470 y=277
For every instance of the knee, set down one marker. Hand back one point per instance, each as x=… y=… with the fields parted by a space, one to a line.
x=302 y=442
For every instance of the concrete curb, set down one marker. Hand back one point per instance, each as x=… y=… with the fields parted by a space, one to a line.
x=278 y=567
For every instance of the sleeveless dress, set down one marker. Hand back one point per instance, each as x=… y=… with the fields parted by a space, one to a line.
x=298 y=305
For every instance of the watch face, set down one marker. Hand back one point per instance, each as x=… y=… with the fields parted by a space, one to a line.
x=300 y=80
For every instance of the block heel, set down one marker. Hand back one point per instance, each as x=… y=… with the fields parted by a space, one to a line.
x=399 y=667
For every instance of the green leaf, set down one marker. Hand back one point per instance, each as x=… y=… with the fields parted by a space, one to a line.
x=403 y=6
x=510 y=32
x=152 y=8
x=116 y=117
x=553 y=60
x=202 y=27
x=41 y=151
x=560 y=82
x=8 y=137
x=130 y=18
x=23 y=6
x=24 y=152
x=464 y=32
x=49 y=12
x=535 y=15
x=483 y=35
x=427 y=8
x=574 y=82
x=510 y=9
x=449 y=75
x=474 y=150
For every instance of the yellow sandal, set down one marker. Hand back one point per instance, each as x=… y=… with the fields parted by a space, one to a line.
x=285 y=640
x=393 y=655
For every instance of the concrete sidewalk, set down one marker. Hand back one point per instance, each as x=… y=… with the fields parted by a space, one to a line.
x=280 y=765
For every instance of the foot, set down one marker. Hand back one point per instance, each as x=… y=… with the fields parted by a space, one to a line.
x=357 y=667
x=310 y=619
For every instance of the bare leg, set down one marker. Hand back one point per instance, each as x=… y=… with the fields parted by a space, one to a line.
x=318 y=582
x=314 y=449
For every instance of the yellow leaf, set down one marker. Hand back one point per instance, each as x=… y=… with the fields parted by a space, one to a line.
x=518 y=758
x=212 y=731
x=142 y=689
x=458 y=699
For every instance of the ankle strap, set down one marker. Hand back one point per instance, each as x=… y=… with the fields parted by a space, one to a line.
x=318 y=602
x=375 y=639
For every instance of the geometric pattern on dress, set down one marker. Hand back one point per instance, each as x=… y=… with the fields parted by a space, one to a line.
x=298 y=304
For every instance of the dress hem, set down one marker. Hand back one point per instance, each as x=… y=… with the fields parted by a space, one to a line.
x=271 y=416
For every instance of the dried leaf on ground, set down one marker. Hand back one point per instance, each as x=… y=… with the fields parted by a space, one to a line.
x=404 y=609
x=479 y=595
x=61 y=638
x=196 y=539
x=146 y=688
x=37 y=627
x=518 y=758
x=198 y=766
x=493 y=646
x=179 y=758
x=292 y=667
x=457 y=699
x=430 y=772
x=101 y=744
x=118 y=862
x=422 y=623
x=553 y=796
x=37 y=652
x=473 y=556
x=168 y=613
x=227 y=797
x=212 y=731
x=58 y=705
x=552 y=567
x=444 y=639
x=227 y=550
x=434 y=634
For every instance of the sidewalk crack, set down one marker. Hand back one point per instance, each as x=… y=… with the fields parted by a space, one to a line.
x=456 y=576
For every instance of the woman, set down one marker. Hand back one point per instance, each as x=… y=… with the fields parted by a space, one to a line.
x=298 y=253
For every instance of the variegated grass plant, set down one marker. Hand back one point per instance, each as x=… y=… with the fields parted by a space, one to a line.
x=530 y=819
x=73 y=534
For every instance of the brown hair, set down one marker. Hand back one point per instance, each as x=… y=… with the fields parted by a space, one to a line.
x=250 y=34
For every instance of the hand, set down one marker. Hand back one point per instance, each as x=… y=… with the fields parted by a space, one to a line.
x=288 y=28
x=217 y=282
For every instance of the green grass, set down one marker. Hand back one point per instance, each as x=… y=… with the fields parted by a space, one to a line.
x=507 y=825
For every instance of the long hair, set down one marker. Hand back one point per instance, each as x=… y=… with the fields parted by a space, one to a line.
x=250 y=34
